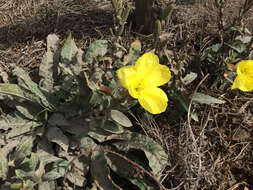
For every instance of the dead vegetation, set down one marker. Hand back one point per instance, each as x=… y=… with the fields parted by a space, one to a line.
x=214 y=153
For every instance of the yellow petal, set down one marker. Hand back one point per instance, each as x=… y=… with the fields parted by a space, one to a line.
x=126 y=75
x=150 y=72
x=245 y=68
x=244 y=83
x=154 y=100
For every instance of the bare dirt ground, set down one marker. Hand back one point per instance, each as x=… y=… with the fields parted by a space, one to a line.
x=214 y=153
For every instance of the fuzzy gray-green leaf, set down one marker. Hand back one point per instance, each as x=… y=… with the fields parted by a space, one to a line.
x=134 y=53
x=23 y=175
x=23 y=150
x=52 y=175
x=3 y=166
x=25 y=81
x=55 y=135
x=18 y=125
x=59 y=169
x=206 y=99
x=11 y=121
x=49 y=61
x=46 y=185
x=34 y=161
x=16 y=91
x=87 y=143
x=24 y=127
x=97 y=48
x=189 y=78
x=69 y=50
x=77 y=178
x=29 y=110
x=46 y=71
x=154 y=152
x=121 y=118
x=112 y=127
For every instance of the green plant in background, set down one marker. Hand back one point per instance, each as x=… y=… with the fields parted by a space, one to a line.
x=221 y=58
x=70 y=128
x=146 y=15
x=120 y=16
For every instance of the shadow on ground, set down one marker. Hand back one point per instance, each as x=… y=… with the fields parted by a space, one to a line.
x=83 y=24
x=23 y=42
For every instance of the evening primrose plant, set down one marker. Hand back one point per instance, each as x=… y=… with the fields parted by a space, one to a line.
x=72 y=128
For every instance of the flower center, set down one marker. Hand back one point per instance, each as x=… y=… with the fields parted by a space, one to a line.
x=138 y=88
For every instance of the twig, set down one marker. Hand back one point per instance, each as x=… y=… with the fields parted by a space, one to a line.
x=121 y=156
x=134 y=164
x=189 y=112
x=197 y=151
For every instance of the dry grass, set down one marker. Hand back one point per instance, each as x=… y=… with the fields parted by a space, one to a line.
x=215 y=153
x=24 y=27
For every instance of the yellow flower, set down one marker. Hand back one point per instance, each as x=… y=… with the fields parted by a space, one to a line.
x=244 y=79
x=142 y=81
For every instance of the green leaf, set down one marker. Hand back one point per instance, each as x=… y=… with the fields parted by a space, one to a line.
x=9 y=146
x=29 y=110
x=74 y=126
x=97 y=48
x=182 y=106
x=56 y=135
x=206 y=99
x=189 y=78
x=70 y=67
x=11 y=121
x=100 y=135
x=45 y=153
x=59 y=169
x=18 y=125
x=134 y=53
x=237 y=46
x=145 y=184
x=15 y=90
x=52 y=175
x=87 y=143
x=40 y=171
x=100 y=173
x=23 y=150
x=46 y=185
x=167 y=11
x=112 y=127
x=47 y=66
x=244 y=38
x=30 y=165
x=3 y=166
x=34 y=161
x=216 y=47
x=129 y=171
x=76 y=177
x=69 y=50
x=16 y=186
x=25 y=81
x=155 y=154
x=24 y=127
x=23 y=175
x=121 y=118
